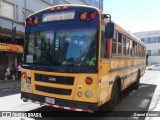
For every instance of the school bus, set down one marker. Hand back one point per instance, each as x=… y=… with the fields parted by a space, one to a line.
x=77 y=59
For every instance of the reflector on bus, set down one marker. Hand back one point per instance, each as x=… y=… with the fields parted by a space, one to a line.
x=68 y=15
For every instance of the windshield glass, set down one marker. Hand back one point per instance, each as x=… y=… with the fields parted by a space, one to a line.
x=70 y=47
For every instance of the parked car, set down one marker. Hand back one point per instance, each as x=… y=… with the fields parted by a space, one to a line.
x=154 y=67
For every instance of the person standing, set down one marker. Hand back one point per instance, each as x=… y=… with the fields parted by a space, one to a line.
x=13 y=71
x=19 y=71
x=7 y=73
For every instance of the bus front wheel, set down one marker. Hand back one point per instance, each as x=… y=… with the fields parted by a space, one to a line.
x=115 y=97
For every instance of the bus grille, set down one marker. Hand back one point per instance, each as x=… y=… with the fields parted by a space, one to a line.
x=53 y=90
x=54 y=79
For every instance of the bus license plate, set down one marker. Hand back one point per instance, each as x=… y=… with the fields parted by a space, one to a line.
x=50 y=100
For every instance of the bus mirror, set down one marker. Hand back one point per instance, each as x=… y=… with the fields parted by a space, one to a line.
x=109 y=30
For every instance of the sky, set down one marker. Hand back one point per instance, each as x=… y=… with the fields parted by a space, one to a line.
x=134 y=15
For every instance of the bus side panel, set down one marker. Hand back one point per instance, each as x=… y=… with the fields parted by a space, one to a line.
x=104 y=88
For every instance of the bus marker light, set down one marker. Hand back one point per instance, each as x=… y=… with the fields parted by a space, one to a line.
x=24 y=85
x=92 y=15
x=83 y=16
x=88 y=94
x=35 y=20
x=65 y=7
x=88 y=80
x=58 y=8
x=24 y=74
x=53 y=8
x=29 y=87
x=29 y=21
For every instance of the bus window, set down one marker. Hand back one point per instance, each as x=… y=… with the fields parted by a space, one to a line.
x=124 y=46
x=114 y=41
x=138 y=50
x=39 y=46
x=130 y=48
x=119 y=43
x=127 y=46
x=103 y=47
x=141 y=50
x=133 y=49
x=77 y=47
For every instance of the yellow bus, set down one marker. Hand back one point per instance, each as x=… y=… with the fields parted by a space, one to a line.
x=76 y=59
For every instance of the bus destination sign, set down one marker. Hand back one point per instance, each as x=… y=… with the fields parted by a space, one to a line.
x=58 y=16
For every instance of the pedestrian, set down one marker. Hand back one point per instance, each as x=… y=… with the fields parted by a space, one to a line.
x=13 y=71
x=7 y=73
x=19 y=71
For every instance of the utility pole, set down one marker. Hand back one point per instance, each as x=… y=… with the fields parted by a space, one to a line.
x=25 y=5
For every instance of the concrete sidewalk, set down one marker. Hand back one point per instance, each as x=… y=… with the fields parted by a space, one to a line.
x=10 y=84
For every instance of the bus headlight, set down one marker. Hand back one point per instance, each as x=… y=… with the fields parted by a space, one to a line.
x=24 y=85
x=79 y=94
x=88 y=94
x=29 y=87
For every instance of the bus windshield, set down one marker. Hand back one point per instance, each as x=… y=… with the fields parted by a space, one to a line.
x=63 y=47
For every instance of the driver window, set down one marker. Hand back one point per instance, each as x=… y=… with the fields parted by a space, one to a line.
x=103 y=47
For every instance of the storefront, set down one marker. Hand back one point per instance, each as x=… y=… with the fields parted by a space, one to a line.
x=9 y=54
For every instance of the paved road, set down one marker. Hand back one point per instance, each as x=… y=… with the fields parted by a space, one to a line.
x=145 y=98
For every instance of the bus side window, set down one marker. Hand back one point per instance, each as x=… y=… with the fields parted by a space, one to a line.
x=131 y=45
x=119 y=43
x=133 y=49
x=144 y=51
x=140 y=50
x=114 y=41
x=124 y=46
x=127 y=46
x=137 y=50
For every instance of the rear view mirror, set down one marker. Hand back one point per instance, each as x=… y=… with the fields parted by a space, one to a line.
x=109 y=30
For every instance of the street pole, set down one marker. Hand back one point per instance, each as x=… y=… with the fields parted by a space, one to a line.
x=25 y=5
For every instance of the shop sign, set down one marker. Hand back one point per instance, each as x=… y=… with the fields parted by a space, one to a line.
x=11 y=47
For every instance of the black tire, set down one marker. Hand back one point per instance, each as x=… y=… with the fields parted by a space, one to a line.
x=135 y=85
x=115 y=97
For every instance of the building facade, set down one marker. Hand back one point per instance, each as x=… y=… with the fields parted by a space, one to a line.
x=152 y=41
x=12 y=16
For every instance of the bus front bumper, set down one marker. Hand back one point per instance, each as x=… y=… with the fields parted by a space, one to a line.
x=61 y=103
